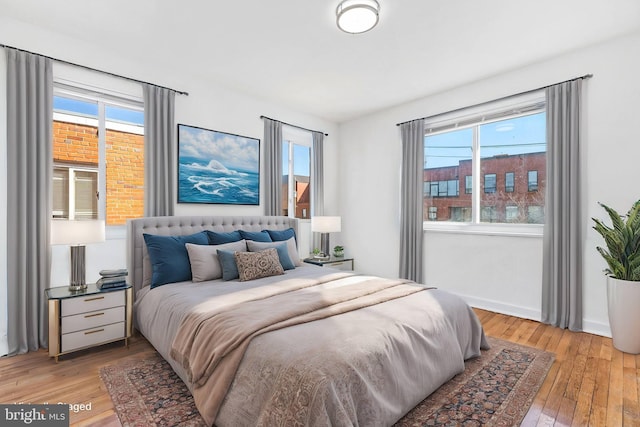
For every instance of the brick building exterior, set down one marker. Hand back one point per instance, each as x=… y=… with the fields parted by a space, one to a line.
x=76 y=145
x=511 y=189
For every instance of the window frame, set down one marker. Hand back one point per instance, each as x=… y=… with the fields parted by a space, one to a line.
x=473 y=117
x=71 y=172
x=84 y=93
x=302 y=138
x=509 y=188
x=530 y=187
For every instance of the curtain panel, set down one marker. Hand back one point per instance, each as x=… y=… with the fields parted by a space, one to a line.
x=411 y=202
x=317 y=181
x=159 y=146
x=29 y=200
x=273 y=166
x=562 y=257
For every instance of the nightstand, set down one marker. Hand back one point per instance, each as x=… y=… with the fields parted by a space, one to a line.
x=79 y=320
x=341 y=263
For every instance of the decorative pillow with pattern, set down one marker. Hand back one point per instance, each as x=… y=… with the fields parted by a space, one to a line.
x=255 y=265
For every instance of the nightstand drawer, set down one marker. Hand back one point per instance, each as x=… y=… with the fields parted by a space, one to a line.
x=344 y=265
x=93 y=302
x=92 y=319
x=90 y=337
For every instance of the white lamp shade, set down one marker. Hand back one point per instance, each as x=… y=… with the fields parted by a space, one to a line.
x=357 y=16
x=76 y=232
x=326 y=224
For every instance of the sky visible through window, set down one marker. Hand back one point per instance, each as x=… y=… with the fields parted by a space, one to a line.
x=90 y=109
x=512 y=136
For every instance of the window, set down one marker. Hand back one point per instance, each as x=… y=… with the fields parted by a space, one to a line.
x=511 y=213
x=433 y=213
x=490 y=183
x=535 y=214
x=533 y=180
x=459 y=214
x=449 y=188
x=296 y=172
x=98 y=157
x=488 y=214
x=75 y=193
x=494 y=148
x=509 y=182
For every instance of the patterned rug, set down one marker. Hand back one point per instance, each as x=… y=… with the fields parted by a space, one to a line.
x=495 y=389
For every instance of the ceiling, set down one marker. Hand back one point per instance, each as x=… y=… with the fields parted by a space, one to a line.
x=291 y=52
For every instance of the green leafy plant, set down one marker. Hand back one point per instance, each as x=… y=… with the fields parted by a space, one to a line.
x=338 y=248
x=622 y=241
x=315 y=251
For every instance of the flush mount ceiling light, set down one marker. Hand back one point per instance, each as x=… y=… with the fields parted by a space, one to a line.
x=357 y=16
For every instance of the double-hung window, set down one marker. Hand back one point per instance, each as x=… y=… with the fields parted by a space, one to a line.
x=98 y=156
x=498 y=153
x=297 y=147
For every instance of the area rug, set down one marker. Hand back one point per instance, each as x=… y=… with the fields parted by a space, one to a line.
x=495 y=389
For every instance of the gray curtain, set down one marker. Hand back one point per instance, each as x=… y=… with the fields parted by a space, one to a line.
x=159 y=146
x=273 y=167
x=411 y=200
x=29 y=181
x=562 y=261
x=317 y=181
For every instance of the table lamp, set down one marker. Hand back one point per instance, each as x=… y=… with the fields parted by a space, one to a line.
x=325 y=225
x=77 y=233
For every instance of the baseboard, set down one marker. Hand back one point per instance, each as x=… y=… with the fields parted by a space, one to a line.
x=596 y=328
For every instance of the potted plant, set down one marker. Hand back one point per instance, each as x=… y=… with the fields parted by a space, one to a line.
x=338 y=251
x=622 y=254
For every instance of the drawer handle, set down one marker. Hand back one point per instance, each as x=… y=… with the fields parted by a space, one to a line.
x=93 y=299
x=93 y=315
x=94 y=332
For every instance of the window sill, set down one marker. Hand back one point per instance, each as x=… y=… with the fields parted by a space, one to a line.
x=506 y=230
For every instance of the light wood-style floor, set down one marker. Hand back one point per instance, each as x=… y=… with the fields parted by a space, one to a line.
x=589 y=384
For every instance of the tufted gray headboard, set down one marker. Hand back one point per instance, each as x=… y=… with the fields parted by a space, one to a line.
x=138 y=259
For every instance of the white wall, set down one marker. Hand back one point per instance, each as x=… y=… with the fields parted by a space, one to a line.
x=495 y=272
x=209 y=105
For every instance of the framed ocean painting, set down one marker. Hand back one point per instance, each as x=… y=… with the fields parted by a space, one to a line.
x=217 y=167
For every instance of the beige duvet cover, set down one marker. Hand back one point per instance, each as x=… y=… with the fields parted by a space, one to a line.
x=366 y=365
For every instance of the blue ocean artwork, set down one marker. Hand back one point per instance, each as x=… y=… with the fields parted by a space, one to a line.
x=216 y=167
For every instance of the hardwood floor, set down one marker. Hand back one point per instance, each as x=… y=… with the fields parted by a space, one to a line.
x=590 y=383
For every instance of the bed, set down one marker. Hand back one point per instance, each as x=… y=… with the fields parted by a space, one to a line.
x=312 y=346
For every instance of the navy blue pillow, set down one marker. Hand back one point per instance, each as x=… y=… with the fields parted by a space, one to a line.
x=169 y=257
x=256 y=236
x=228 y=264
x=282 y=235
x=216 y=238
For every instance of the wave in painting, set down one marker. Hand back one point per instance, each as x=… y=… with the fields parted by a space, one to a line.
x=215 y=183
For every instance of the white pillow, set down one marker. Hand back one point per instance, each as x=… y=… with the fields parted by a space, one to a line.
x=204 y=259
x=291 y=248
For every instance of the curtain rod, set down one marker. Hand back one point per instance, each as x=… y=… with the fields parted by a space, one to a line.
x=586 y=76
x=289 y=124
x=62 y=61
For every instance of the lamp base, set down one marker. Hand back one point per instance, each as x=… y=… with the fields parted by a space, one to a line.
x=77 y=288
x=78 y=273
x=324 y=243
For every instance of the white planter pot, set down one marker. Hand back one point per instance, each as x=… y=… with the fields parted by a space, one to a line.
x=623 y=298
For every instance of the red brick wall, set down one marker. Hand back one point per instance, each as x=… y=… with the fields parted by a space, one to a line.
x=520 y=165
x=75 y=144
x=125 y=176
